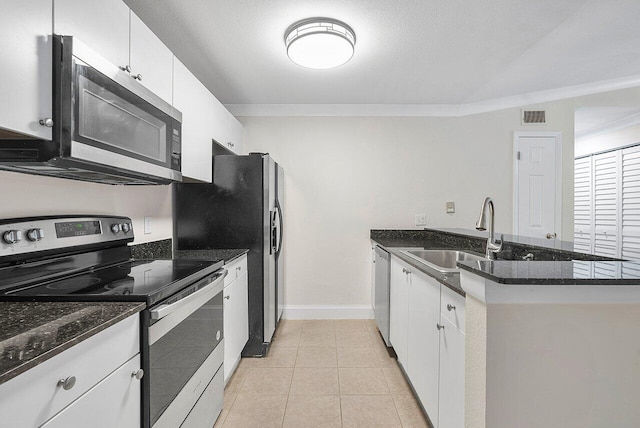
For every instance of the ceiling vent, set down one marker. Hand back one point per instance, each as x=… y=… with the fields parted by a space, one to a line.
x=533 y=117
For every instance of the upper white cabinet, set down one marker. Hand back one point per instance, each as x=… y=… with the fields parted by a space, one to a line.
x=227 y=131
x=103 y=25
x=151 y=61
x=117 y=34
x=196 y=104
x=25 y=31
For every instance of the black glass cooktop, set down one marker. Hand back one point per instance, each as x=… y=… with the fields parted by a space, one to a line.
x=139 y=280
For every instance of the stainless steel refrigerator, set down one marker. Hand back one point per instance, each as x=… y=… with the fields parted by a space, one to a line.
x=242 y=208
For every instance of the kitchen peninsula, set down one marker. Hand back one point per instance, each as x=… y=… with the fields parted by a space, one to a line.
x=547 y=342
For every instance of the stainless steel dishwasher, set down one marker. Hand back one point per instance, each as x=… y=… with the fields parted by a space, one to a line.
x=382 y=260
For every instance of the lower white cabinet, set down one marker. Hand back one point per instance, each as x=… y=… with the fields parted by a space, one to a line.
x=100 y=385
x=451 y=385
x=399 y=310
x=424 y=335
x=236 y=314
x=427 y=333
x=120 y=391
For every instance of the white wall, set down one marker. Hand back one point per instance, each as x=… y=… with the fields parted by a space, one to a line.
x=347 y=175
x=31 y=195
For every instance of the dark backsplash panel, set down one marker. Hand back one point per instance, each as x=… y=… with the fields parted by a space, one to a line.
x=153 y=250
x=441 y=239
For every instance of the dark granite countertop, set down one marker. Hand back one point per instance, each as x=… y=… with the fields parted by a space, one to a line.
x=33 y=332
x=228 y=255
x=556 y=272
x=555 y=263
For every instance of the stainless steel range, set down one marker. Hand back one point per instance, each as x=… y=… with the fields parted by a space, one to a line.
x=86 y=258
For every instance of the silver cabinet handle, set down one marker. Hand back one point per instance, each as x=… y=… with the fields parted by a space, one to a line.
x=67 y=383
x=138 y=374
x=227 y=297
x=126 y=68
x=553 y=235
x=451 y=307
x=47 y=121
x=138 y=77
x=439 y=326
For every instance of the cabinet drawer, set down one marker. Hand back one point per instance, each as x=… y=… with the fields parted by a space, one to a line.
x=236 y=269
x=452 y=307
x=90 y=361
x=116 y=399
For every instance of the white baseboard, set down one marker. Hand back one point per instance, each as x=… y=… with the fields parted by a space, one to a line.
x=312 y=312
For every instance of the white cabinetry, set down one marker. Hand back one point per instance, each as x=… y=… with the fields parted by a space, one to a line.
x=424 y=335
x=102 y=367
x=151 y=61
x=116 y=33
x=452 y=370
x=196 y=104
x=120 y=387
x=236 y=314
x=25 y=31
x=399 y=310
x=427 y=332
x=227 y=131
x=103 y=25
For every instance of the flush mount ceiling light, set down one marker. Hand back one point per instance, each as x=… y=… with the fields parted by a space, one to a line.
x=320 y=43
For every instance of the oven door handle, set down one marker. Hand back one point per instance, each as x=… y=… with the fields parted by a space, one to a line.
x=196 y=299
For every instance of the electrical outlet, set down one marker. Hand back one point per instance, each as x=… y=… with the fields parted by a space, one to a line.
x=421 y=219
x=451 y=207
x=147 y=225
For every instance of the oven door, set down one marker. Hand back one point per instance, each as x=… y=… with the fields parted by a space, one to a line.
x=105 y=116
x=183 y=355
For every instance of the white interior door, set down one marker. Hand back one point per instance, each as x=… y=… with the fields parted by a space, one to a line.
x=536 y=193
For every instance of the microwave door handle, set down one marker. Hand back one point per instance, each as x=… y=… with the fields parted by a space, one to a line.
x=194 y=299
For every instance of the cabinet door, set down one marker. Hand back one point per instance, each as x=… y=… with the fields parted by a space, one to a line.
x=451 y=413
x=25 y=31
x=116 y=399
x=398 y=310
x=151 y=60
x=424 y=340
x=195 y=103
x=236 y=323
x=227 y=131
x=103 y=25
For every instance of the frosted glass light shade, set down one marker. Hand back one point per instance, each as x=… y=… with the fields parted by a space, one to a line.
x=320 y=43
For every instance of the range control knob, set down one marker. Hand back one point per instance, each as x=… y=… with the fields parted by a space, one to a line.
x=115 y=228
x=12 y=236
x=126 y=227
x=35 y=234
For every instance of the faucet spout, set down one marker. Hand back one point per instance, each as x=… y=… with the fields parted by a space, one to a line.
x=492 y=246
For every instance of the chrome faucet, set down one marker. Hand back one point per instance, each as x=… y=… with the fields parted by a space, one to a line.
x=492 y=247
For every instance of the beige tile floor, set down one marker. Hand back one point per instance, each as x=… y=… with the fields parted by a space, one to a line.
x=321 y=373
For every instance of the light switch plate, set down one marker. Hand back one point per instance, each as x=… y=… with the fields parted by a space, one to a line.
x=451 y=207
x=421 y=219
x=147 y=225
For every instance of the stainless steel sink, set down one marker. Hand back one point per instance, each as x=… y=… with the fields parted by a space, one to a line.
x=442 y=260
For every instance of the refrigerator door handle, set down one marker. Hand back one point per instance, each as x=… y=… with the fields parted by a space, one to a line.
x=274 y=233
x=281 y=224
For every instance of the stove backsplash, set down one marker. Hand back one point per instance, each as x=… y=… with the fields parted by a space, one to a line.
x=153 y=250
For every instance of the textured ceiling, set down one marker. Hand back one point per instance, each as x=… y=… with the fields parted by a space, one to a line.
x=426 y=52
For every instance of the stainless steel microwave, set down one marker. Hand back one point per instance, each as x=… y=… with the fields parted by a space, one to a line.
x=107 y=127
